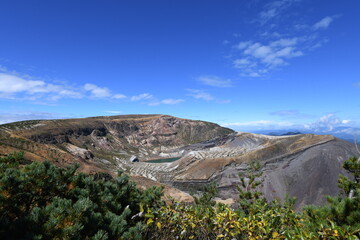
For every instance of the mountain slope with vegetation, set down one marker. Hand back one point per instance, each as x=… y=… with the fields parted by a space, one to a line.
x=305 y=166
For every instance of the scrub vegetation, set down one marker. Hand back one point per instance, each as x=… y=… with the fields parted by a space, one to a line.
x=39 y=200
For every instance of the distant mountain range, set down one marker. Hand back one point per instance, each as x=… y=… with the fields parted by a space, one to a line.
x=345 y=133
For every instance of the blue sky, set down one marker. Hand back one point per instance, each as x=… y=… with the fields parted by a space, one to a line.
x=247 y=65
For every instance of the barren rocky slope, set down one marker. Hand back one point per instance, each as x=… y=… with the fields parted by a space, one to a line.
x=99 y=143
x=304 y=166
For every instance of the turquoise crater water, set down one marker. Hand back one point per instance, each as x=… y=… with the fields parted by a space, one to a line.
x=163 y=160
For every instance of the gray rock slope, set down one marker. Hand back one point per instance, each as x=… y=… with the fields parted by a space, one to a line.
x=304 y=166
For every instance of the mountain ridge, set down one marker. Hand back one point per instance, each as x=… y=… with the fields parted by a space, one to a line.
x=207 y=152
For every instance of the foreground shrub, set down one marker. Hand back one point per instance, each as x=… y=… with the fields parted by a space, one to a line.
x=42 y=201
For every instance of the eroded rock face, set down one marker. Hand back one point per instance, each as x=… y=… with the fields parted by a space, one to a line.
x=80 y=152
x=100 y=144
x=304 y=166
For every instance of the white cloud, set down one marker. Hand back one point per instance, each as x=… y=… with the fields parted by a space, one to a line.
x=350 y=131
x=3 y=68
x=119 y=96
x=243 y=45
x=101 y=92
x=17 y=87
x=323 y=23
x=200 y=94
x=14 y=84
x=268 y=14
x=258 y=50
x=113 y=112
x=326 y=123
x=215 y=81
x=274 y=9
x=242 y=62
x=97 y=92
x=284 y=42
x=143 y=96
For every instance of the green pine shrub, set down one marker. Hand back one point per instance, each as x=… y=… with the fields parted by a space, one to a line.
x=42 y=201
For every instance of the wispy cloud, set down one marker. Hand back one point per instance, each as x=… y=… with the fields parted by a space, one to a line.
x=274 y=9
x=203 y=95
x=323 y=23
x=290 y=114
x=257 y=58
x=119 y=96
x=279 y=39
x=215 y=81
x=168 y=101
x=113 y=112
x=143 y=96
x=149 y=99
x=285 y=113
x=171 y=101
x=258 y=125
x=6 y=117
x=200 y=94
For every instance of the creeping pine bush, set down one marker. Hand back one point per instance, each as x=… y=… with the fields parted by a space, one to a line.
x=42 y=201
